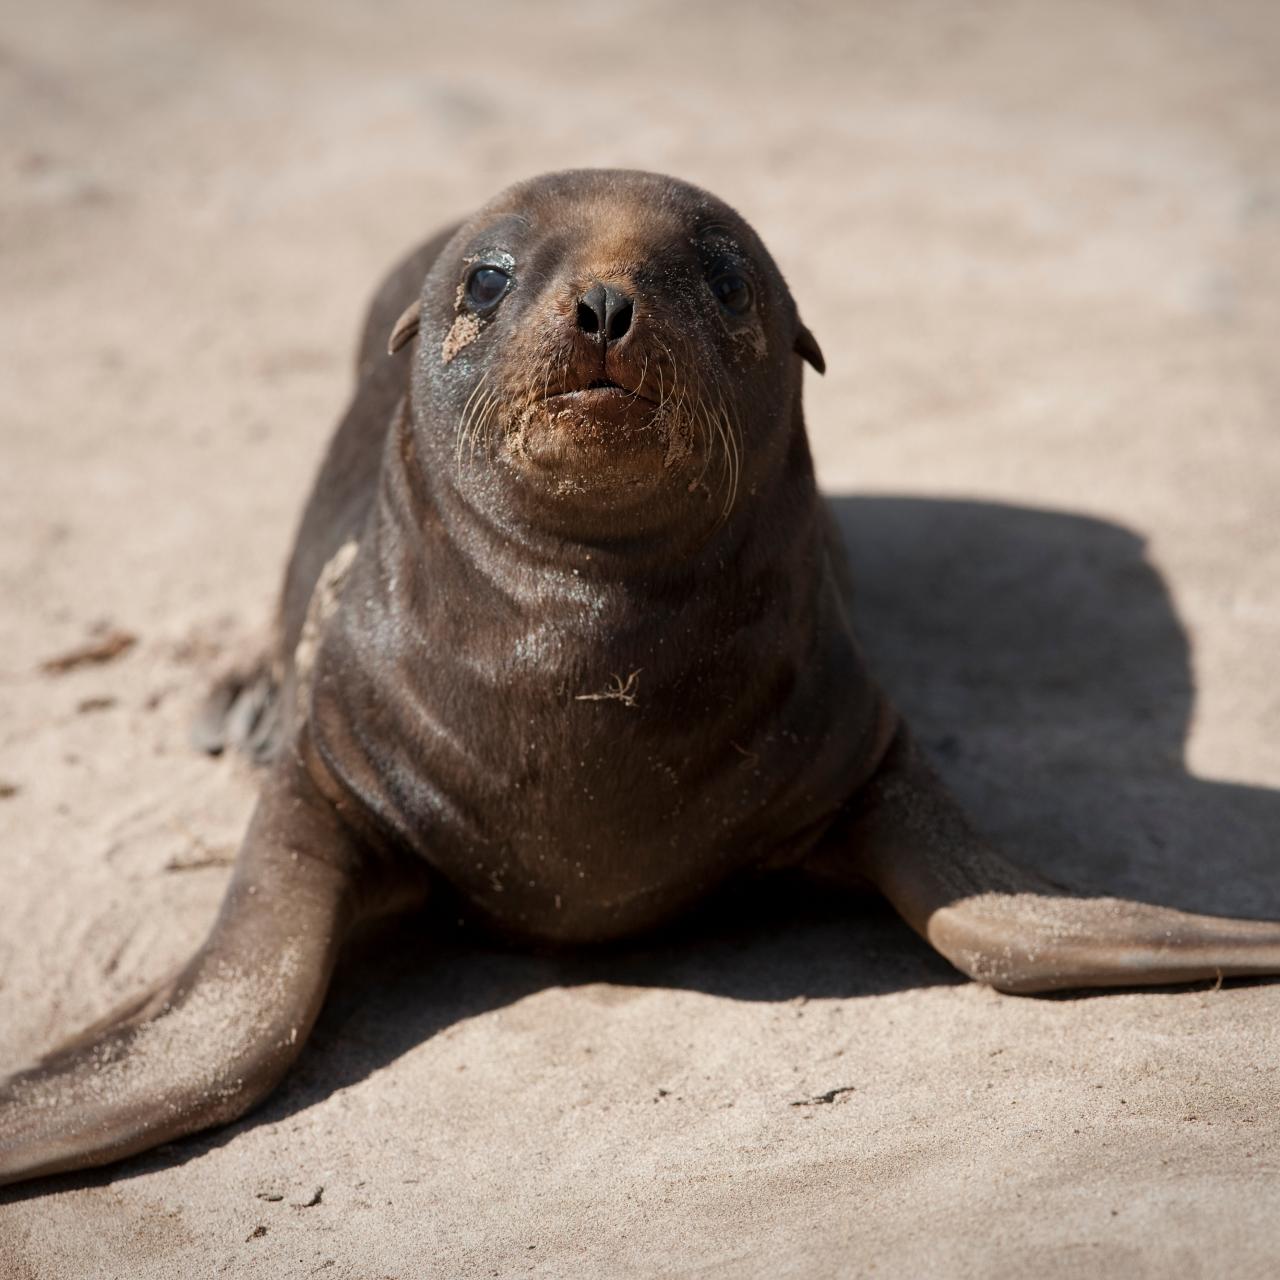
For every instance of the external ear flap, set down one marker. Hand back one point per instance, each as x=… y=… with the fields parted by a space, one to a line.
x=807 y=346
x=406 y=327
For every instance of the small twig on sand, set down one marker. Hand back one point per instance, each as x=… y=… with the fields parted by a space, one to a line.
x=620 y=690
x=103 y=649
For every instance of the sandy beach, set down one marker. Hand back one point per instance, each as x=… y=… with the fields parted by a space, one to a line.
x=1040 y=246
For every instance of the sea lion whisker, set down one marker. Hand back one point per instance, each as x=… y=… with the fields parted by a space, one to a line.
x=469 y=441
x=699 y=423
x=549 y=363
x=708 y=436
x=701 y=419
x=675 y=392
x=644 y=369
x=463 y=421
x=726 y=458
x=477 y=423
x=491 y=416
x=732 y=444
x=671 y=364
x=727 y=434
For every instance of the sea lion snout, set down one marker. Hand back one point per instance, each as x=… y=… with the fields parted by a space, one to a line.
x=596 y=337
x=605 y=312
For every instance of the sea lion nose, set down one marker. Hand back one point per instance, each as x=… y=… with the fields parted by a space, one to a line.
x=604 y=312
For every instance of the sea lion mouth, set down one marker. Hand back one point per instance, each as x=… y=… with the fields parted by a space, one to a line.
x=595 y=437
x=600 y=392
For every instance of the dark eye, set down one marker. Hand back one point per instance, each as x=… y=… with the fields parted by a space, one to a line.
x=732 y=292
x=485 y=287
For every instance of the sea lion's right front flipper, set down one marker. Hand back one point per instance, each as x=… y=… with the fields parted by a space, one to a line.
x=1006 y=926
x=208 y=1044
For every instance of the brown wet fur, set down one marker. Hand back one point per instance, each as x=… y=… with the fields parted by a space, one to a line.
x=579 y=653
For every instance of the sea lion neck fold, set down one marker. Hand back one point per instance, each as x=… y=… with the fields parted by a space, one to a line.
x=651 y=542
x=584 y=667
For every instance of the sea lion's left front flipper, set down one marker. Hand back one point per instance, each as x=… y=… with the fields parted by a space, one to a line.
x=208 y=1044
x=1008 y=927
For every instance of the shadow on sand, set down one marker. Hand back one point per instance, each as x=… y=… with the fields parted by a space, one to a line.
x=1039 y=658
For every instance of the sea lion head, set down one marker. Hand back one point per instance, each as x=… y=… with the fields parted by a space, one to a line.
x=606 y=351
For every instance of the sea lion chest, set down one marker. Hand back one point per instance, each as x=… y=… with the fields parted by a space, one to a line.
x=583 y=760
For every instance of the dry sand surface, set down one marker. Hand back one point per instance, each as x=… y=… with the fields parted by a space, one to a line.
x=1041 y=246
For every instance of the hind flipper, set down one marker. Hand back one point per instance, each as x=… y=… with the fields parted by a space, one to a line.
x=244 y=711
x=1007 y=926
x=208 y=1044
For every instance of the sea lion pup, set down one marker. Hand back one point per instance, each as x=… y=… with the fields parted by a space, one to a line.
x=567 y=629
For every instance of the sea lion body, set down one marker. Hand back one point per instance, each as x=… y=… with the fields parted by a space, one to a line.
x=566 y=631
x=583 y=758
x=579 y=746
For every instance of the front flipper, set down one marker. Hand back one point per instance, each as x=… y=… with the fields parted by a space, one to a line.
x=205 y=1046
x=1008 y=927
